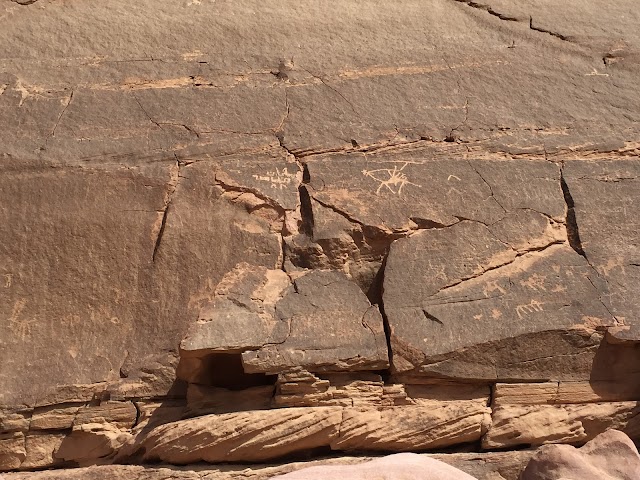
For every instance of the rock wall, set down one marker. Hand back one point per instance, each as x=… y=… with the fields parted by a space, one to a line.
x=257 y=232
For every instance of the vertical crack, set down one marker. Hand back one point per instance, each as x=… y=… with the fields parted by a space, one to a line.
x=156 y=247
x=573 y=236
x=306 y=210
x=145 y=111
x=375 y=295
x=171 y=188
x=487 y=184
x=573 y=233
x=334 y=90
x=64 y=110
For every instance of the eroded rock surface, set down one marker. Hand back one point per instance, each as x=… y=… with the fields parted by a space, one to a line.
x=251 y=230
x=513 y=308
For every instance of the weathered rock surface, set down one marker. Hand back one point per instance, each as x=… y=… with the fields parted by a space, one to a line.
x=563 y=392
x=320 y=321
x=268 y=434
x=516 y=425
x=91 y=443
x=610 y=455
x=249 y=436
x=412 y=428
x=92 y=337
x=517 y=319
x=407 y=466
x=12 y=450
x=605 y=198
x=350 y=209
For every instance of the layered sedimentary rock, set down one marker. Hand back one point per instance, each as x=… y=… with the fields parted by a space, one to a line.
x=237 y=232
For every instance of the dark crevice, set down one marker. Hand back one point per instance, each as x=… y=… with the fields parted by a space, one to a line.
x=375 y=295
x=156 y=247
x=488 y=9
x=227 y=187
x=427 y=224
x=549 y=32
x=432 y=317
x=573 y=234
x=306 y=212
x=138 y=414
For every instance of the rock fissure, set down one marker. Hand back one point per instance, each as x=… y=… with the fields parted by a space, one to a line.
x=490 y=10
x=64 y=110
x=573 y=233
x=518 y=256
x=227 y=187
x=549 y=32
x=510 y=18
x=487 y=184
x=172 y=185
x=334 y=90
x=163 y=224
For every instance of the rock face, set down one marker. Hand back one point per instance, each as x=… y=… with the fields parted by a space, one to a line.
x=609 y=455
x=247 y=231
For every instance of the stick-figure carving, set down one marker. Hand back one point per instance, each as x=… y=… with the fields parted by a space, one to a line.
x=395 y=179
x=21 y=327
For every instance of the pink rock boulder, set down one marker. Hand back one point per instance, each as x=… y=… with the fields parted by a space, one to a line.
x=609 y=456
x=402 y=466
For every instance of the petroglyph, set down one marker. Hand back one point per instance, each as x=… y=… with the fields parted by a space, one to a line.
x=21 y=327
x=534 y=282
x=394 y=179
x=596 y=73
x=279 y=178
x=526 y=309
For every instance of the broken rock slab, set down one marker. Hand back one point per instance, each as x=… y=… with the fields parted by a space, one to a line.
x=12 y=450
x=319 y=320
x=564 y=392
x=515 y=425
x=91 y=443
x=242 y=436
x=412 y=428
x=388 y=194
x=260 y=435
x=483 y=305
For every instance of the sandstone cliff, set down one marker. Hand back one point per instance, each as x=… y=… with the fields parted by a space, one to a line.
x=263 y=231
